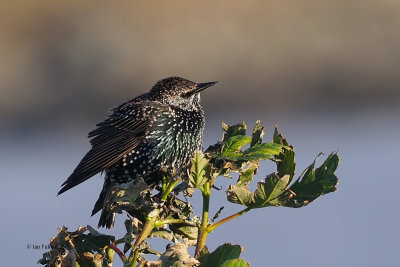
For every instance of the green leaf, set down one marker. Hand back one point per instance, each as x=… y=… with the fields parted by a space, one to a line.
x=234 y=263
x=235 y=143
x=258 y=133
x=187 y=231
x=91 y=242
x=200 y=166
x=329 y=166
x=240 y=195
x=221 y=254
x=261 y=152
x=314 y=183
x=284 y=161
x=232 y=146
x=269 y=191
x=162 y=234
x=233 y=130
x=246 y=175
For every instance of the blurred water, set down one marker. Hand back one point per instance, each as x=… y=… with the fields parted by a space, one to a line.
x=355 y=226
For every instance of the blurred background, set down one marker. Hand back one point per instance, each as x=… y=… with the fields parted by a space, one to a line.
x=327 y=72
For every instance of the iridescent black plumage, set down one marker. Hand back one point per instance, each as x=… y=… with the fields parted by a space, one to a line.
x=159 y=129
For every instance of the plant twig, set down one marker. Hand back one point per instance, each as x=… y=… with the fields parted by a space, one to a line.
x=211 y=227
x=135 y=256
x=118 y=251
x=167 y=187
x=147 y=228
x=159 y=223
x=202 y=236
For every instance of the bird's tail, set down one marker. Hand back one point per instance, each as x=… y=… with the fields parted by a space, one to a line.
x=107 y=217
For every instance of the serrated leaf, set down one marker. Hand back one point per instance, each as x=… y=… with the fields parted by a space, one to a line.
x=240 y=195
x=234 y=263
x=258 y=133
x=232 y=146
x=329 y=166
x=235 y=143
x=221 y=254
x=314 y=183
x=269 y=191
x=200 y=165
x=284 y=161
x=233 y=130
x=246 y=175
x=261 y=152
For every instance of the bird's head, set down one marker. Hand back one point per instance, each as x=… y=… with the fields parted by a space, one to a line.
x=179 y=92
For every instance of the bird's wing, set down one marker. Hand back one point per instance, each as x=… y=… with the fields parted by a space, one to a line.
x=124 y=130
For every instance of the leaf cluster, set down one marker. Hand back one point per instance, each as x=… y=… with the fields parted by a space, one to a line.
x=276 y=189
x=81 y=248
x=160 y=213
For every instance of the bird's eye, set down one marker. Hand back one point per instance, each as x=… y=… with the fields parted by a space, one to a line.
x=186 y=94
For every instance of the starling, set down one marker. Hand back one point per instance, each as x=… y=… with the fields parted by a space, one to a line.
x=155 y=131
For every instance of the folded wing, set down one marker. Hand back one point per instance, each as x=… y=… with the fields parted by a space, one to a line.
x=115 y=137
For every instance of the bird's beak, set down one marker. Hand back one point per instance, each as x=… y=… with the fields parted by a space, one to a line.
x=201 y=86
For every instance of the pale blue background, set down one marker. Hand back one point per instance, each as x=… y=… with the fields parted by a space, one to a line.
x=355 y=226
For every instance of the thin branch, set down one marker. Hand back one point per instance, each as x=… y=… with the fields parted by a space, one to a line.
x=202 y=236
x=118 y=251
x=211 y=227
x=159 y=223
